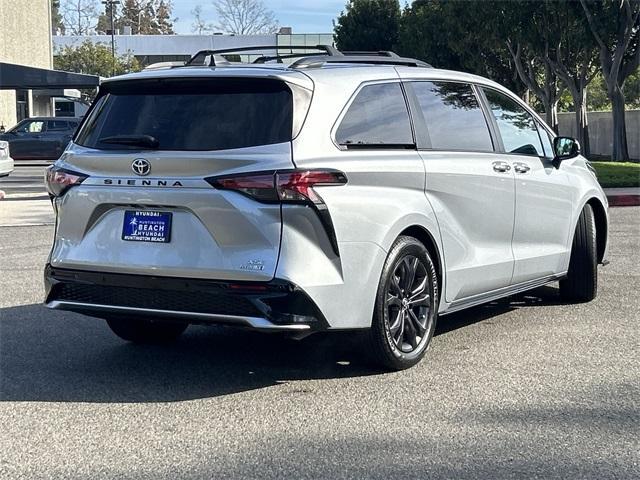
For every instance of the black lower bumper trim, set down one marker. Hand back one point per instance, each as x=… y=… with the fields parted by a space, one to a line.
x=278 y=301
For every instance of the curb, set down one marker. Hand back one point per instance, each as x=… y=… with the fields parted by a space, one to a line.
x=624 y=200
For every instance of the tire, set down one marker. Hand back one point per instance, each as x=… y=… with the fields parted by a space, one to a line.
x=138 y=330
x=401 y=330
x=581 y=284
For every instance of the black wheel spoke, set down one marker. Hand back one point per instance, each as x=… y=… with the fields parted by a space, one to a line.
x=397 y=323
x=417 y=324
x=420 y=288
x=411 y=332
x=393 y=300
x=394 y=285
x=422 y=299
x=407 y=302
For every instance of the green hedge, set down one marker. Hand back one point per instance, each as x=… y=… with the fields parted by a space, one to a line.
x=618 y=174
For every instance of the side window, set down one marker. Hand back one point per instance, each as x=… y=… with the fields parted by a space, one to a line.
x=517 y=127
x=377 y=117
x=453 y=116
x=33 y=126
x=57 y=126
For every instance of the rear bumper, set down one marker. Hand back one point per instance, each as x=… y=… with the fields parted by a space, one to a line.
x=276 y=305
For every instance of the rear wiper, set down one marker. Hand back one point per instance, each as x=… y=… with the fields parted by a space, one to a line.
x=146 y=141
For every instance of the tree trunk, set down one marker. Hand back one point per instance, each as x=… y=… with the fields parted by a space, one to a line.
x=620 y=151
x=582 y=122
x=551 y=114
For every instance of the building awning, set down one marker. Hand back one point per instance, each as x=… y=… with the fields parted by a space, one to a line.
x=15 y=77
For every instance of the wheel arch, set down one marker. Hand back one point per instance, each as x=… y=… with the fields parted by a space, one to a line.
x=602 y=226
x=425 y=237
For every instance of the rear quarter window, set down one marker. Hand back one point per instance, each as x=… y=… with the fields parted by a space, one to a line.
x=187 y=114
x=377 y=117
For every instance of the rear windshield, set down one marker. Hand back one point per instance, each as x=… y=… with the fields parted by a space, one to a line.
x=187 y=114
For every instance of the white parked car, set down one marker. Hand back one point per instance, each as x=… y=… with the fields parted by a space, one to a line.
x=340 y=192
x=6 y=162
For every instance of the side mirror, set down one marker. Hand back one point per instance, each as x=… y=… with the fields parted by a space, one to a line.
x=564 y=148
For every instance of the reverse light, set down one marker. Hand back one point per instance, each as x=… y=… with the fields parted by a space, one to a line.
x=57 y=180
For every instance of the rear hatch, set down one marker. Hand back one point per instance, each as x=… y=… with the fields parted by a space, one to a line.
x=147 y=159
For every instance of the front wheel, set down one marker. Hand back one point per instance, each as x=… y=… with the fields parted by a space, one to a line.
x=139 y=330
x=581 y=284
x=406 y=306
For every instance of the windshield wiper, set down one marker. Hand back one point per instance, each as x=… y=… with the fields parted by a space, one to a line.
x=146 y=141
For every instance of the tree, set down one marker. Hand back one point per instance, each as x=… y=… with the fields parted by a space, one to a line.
x=615 y=26
x=437 y=31
x=524 y=28
x=573 y=57
x=244 y=17
x=162 y=21
x=145 y=17
x=93 y=59
x=104 y=20
x=57 y=24
x=199 y=25
x=79 y=16
x=368 y=25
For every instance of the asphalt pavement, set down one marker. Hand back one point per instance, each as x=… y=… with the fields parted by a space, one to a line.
x=527 y=387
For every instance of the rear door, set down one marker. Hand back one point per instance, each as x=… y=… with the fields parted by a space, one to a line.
x=543 y=216
x=469 y=186
x=204 y=129
x=26 y=141
x=56 y=138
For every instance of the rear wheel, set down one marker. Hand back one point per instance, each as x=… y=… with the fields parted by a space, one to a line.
x=581 y=284
x=406 y=306
x=139 y=330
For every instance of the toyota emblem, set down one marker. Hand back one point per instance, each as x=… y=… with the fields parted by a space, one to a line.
x=141 y=166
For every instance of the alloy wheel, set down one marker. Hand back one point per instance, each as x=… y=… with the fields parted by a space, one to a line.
x=408 y=304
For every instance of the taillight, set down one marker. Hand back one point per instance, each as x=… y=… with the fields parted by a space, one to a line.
x=281 y=186
x=298 y=186
x=57 y=180
x=287 y=186
x=258 y=186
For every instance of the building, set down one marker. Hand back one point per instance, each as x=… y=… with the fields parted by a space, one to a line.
x=149 y=49
x=28 y=85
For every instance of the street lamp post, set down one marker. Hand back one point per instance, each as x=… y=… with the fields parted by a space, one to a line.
x=111 y=4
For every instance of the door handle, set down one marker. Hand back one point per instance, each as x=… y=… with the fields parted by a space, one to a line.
x=501 y=166
x=521 y=167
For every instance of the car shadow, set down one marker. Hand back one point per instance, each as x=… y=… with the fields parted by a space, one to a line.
x=58 y=356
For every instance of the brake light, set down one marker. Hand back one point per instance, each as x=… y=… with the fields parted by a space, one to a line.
x=258 y=186
x=298 y=186
x=281 y=186
x=58 y=180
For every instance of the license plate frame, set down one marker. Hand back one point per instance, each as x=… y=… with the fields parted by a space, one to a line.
x=149 y=226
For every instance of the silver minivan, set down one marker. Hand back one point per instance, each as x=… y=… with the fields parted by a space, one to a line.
x=337 y=192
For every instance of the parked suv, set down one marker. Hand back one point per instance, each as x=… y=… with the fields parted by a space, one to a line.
x=40 y=138
x=359 y=192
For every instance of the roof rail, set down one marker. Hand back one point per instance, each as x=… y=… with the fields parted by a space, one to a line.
x=200 y=57
x=369 y=59
x=326 y=54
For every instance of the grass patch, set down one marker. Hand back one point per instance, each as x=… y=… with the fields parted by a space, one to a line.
x=618 y=174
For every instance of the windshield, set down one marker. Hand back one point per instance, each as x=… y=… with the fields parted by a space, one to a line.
x=190 y=114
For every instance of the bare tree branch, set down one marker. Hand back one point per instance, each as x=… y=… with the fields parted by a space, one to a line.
x=244 y=17
x=79 y=16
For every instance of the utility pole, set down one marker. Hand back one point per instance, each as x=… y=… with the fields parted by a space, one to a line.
x=111 y=4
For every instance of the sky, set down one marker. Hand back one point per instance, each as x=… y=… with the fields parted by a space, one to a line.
x=305 y=16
